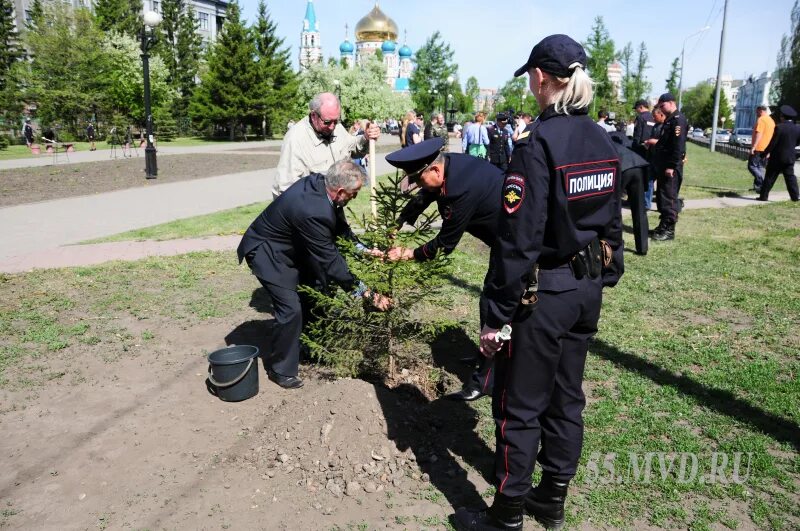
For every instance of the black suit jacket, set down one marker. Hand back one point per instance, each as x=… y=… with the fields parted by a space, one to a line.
x=294 y=238
x=781 y=147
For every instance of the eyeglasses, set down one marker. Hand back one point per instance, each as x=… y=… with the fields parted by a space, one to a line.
x=413 y=176
x=326 y=122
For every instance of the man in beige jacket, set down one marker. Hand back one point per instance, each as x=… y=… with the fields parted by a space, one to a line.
x=314 y=143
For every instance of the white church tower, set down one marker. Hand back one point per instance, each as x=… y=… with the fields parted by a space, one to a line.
x=310 y=45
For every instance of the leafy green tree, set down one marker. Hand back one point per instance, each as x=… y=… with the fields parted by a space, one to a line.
x=600 y=53
x=471 y=92
x=10 y=51
x=363 y=91
x=625 y=57
x=695 y=104
x=672 y=79
x=515 y=95
x=641 y=86
x=787 y=74
x=279 y=94
x=124 y=16
x=36 y=13
x=188 y=56
x=66 y=75
x=706 y=116
x=123 y=81
x=229 y=92
x=434 y=64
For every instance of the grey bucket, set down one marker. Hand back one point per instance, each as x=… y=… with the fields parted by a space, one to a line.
x=233 y=373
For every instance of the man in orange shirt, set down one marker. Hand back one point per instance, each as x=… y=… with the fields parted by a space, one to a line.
x=762 y=134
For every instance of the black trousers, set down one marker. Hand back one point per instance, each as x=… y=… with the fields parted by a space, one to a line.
x=635 y=181
x=668 y=188
x=771 y=175
x=287 y=308
x=538 y=396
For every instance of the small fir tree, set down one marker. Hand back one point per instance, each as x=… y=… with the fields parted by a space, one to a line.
x=123 y=16
x=352 y=338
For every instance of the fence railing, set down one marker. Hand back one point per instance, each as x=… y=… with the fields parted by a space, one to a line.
x=738 y=152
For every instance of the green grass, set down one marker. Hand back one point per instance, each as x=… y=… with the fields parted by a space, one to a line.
x=697 y=352
x=232 y=221
x=708 y=174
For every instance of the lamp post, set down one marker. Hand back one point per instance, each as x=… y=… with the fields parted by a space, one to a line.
x=151 y=20
x=447 y=96
x=683 y=50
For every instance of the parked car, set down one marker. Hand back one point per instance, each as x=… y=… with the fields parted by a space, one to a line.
x=742 y=137
x=697 y=133
x=723 y=136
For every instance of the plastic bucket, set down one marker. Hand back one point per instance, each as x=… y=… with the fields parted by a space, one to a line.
x=233 y=373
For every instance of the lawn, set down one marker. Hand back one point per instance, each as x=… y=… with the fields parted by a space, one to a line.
x=696 y=357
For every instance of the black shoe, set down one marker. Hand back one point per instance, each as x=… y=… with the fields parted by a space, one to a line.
x=468 y=394
x=665 y=233
x=658 y=228
x=545 y=502
x=505 y=514
x=287 y=382
x=760 y=198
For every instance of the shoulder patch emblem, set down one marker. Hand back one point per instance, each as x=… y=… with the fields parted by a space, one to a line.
x=513 y=192
x=523 y=134
x=677 y=130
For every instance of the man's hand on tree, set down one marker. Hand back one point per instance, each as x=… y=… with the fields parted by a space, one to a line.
x=380 y=302
x=401 y=253
x=374 y=252
x=489 y=342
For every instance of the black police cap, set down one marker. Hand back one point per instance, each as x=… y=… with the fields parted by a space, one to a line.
x=667 y=96
x=413 y=159
x=787 y=111
x=502 y=117
x=557 y=54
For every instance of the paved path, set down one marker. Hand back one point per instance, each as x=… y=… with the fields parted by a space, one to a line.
x=41 y=235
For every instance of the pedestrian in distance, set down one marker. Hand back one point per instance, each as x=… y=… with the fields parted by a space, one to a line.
x=27 y=132
x=499 y=142
x=475 y=138
x=559 y=242
x=90 y=136
x=781 y=155
x=293 y=242
x=763 y=130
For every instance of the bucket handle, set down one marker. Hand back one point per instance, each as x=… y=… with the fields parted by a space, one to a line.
x=232 y=382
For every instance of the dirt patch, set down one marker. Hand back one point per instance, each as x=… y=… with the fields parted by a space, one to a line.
x=28 y=185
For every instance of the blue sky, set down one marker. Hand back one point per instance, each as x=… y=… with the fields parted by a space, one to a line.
x=491 y=38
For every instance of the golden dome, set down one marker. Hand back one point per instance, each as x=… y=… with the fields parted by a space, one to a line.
x=376 y=27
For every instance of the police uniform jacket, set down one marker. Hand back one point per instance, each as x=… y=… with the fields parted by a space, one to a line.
x=467 y=202
x=560 y=192
x=499 y=145
x=671 y=147
x=781 y=146
x=642 y=128
x=294 y=238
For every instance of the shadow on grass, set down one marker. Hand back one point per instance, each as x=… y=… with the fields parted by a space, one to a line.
x=437 y=431
x=461 y=283
x=724 y=402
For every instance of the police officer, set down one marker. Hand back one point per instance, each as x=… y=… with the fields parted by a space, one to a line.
x=465 y=190
x=668 y=155
x=90 y=136
x=500 y=142
x=292 y=242
x=782 y=155
x=642 y=127
x=559 y=242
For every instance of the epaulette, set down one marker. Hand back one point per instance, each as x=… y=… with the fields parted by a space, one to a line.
x=523 y=138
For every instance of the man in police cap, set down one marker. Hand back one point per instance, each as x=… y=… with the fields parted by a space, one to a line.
x=466 y=190
x=500 y=142
x=668 y=155
x=781 y=155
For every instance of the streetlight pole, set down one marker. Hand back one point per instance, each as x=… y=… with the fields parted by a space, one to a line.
x=713 y=143
x=683 y=53
x=151 y=20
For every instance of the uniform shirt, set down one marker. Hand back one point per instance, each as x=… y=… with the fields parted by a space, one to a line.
x=499 y=145
x=441 y=132
x=467 y=202
x=558 y=195
x=294 y=238
x=766 y=126
x=303 y=152
x=670 y=149
x=781 y=148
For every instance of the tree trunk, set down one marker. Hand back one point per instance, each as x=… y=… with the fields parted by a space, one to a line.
x=232 y=129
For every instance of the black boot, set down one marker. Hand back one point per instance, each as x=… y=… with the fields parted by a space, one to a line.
x=658 y=228
x=665 y=234
x=545 y=502
x=505 y=514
